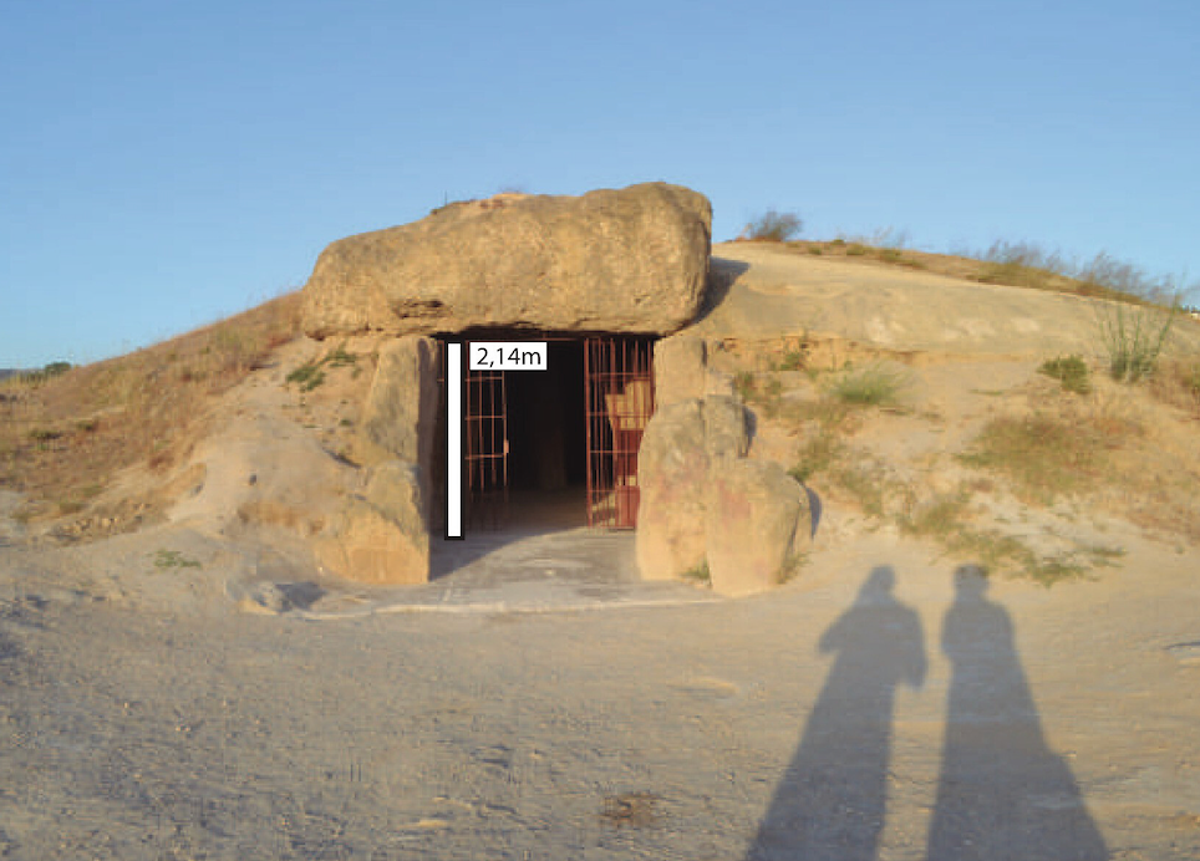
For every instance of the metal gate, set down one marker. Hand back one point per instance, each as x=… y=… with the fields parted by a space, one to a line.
x=618 y=401
x=619 y=389
x=485 y=444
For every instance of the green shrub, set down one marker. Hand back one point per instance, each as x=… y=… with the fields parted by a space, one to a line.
x=793 y=360
x=308 y=376
x=699 y=574
x=1132 y=338
x=164 y=559
x=817 y=455
x=1071 y=371
x=339 y=358
x=873 y=385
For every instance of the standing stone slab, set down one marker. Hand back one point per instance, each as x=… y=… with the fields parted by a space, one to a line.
x=672 y=472
x=400 y=417
x=629 y=260
x=382 y=536
x=679 y=369
x=757 y=516
x=726 y=436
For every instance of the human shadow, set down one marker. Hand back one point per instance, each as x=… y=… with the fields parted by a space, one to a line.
x=831 y=800
x=1003 y=793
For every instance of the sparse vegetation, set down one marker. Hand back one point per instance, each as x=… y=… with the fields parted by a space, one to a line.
x=793 y=360
x=699 y=574
x=1020 y=264
x=67 y=428
x=759 y=390
x=1046 y=455
x=1133 y=337
x=37 y=378
x=818 y=454
x=308 y=376
x=1070 y=371
x=1177 y=382
x=164 y=559
x=774 y=226
x=791 y=567
x=874 y=385
x=311 y=375
x=946 y=518
x=1025 y=264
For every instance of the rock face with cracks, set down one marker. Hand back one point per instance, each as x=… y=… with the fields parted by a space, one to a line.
x=755 y=514
x=382 y=536
x=703 y=503
x=628 y=260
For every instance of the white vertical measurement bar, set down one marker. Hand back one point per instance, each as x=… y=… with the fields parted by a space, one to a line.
x=454 y=422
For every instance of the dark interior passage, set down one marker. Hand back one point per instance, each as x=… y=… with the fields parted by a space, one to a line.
x=546 y=422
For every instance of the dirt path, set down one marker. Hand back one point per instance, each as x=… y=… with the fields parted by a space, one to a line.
x=1041 y=721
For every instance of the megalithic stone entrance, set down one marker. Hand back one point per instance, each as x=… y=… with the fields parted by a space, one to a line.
x=618 y=382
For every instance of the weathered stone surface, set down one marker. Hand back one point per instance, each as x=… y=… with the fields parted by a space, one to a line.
x=672 y=471
x=383 y=536
x=725 y=433
x=679 y=369
x=629 y=260
x=401 y=411
x=756 y=517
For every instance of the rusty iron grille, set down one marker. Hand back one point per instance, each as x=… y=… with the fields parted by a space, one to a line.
x=619 y=390
x=485 y=448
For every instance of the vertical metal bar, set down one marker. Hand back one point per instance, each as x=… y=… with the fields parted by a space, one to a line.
x=504 y=442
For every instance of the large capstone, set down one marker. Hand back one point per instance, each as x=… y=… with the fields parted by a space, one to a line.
x=629 y=260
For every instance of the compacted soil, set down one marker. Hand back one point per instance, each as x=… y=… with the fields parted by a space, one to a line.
x=891 y=705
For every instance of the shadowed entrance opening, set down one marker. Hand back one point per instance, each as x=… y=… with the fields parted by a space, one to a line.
x=557 y=448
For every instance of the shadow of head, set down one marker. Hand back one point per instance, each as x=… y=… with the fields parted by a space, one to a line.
x=970 y=583
x=879 y=584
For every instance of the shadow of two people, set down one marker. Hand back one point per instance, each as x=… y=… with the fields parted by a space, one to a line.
x=1002 y=792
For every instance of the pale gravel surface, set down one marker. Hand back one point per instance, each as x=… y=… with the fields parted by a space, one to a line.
x=144 y=716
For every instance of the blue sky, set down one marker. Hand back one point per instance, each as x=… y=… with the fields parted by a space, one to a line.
x=164 y=164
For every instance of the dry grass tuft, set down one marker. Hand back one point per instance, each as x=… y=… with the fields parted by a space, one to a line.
x=1177 y=382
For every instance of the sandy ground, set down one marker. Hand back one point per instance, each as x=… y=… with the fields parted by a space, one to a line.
x=198 y=690
x=870 y=710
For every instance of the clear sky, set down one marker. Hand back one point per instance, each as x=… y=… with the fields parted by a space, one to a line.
x=164 y=164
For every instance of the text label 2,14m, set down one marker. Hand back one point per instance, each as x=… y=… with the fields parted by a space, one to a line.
x=508 y=355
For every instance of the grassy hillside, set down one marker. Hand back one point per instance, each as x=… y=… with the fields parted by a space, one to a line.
x=64 y=436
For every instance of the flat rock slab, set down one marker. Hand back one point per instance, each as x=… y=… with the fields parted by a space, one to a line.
x=771 y=291
x=627 y=260
x=490 y=572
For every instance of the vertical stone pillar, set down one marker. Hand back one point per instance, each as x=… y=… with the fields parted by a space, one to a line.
x=383 y=534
